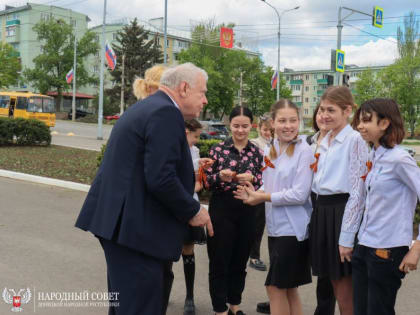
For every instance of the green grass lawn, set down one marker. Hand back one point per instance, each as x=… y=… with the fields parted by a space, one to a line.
x=53 y=161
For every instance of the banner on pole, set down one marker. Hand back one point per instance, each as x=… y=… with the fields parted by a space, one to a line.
x=226 y=37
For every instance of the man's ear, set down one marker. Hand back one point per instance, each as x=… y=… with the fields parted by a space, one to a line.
x=384 y=124
x=183 y=89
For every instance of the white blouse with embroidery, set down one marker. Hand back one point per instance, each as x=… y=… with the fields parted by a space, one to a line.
x=341 y=165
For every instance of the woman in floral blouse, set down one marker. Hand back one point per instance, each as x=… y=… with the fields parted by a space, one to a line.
x=237 y=161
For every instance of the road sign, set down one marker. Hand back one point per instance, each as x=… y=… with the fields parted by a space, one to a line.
x=378 y=17
x=339 y=60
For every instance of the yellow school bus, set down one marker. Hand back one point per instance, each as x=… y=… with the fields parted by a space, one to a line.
x=28 y=105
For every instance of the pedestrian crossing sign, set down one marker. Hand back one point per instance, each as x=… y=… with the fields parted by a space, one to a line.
x=339 y=60
x=378 y=17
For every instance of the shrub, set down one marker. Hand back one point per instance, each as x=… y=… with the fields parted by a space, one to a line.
x=6 y=131
x=205 y=145
x=23 y=132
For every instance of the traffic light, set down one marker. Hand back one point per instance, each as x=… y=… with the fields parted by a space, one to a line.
x=330 y=80
x=346 y=79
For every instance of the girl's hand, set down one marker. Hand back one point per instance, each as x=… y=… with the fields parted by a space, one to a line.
x=411 y=259
x=227 y=175
x=240 y=193
x=244 y=177
x=345 y=253
x=205 y=162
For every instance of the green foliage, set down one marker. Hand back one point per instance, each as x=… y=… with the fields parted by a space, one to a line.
x=402 y=79
x=368 y=86
x=23 y=132
x=51 y=66
x=140 y=54
x=205 y=145
x=224 y=68
x=110 y=106
x=10 y=66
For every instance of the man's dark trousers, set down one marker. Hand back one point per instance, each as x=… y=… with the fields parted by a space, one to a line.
x=143 y=274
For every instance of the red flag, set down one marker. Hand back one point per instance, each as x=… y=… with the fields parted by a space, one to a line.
x=226 y=37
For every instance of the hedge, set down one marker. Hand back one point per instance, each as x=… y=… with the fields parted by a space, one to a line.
x=22 y=131
x=203 y=145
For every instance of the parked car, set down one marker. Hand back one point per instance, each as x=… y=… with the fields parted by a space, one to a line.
x=112 y=117
x=410 y=151
x=79 y=113
x=213 y=130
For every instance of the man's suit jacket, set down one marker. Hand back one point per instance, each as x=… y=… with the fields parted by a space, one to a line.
x=142 y=195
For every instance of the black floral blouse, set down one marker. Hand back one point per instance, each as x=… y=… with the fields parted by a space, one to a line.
x=226 y=156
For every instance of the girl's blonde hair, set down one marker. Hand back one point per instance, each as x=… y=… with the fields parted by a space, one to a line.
x=151 y=80
x=282 y=103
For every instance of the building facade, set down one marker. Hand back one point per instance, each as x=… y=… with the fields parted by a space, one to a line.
x=308 y=86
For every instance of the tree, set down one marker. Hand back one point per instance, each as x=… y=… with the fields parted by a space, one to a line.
x=224 y=67
x=402 y=78
x=57 y=47
x=10 y=66
x=368 y=86
x=140 y=54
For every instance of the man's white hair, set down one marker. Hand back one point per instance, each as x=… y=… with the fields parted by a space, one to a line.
x=186 y=72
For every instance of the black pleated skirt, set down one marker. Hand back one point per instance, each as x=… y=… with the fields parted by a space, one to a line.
x=195 y=235
x=324 y=233
x=289 y=262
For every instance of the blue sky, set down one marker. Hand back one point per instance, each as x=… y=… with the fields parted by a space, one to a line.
x=308 y=34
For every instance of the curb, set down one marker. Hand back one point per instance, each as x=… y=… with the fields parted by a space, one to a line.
x=45 y=180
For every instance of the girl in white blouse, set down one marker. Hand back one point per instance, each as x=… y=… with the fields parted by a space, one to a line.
x=287 y=185
x=337 y=195
x=392 y=187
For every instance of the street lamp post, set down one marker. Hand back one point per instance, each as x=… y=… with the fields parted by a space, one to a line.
x=278 y=44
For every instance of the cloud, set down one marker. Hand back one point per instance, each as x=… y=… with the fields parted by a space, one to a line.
x=380 y=52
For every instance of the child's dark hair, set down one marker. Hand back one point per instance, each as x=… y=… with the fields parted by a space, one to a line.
x=384 y=108
x=193 y=125
x=241 y=111
x=282 y=103
x=314 y=123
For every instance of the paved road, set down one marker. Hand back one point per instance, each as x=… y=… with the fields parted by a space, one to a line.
x=79 y=135
x=41 y=249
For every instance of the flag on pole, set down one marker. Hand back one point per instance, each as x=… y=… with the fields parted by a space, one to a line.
x=274 y=79
x=111 y=57
x=69 y=76
x=226 y=37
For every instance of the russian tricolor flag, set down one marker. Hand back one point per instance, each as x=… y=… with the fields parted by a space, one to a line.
x=111 y=57
x=274 y=79
x=69 y=76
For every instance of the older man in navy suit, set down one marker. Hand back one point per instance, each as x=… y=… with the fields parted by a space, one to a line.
x=141 y=201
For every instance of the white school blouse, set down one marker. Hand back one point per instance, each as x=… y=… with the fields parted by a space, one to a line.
x=195 y=155
x=340 y=168
x=392 y=189
x=289 y=184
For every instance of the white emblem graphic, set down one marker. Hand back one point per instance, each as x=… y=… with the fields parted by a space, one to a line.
x=22 y=297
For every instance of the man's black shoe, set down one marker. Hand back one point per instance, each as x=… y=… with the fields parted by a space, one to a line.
x=257 y=264
x=263 y=307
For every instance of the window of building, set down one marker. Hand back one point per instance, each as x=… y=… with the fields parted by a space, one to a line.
x=314 y=87
x=314 y=99
x=306 y=111
x=287 y=78
x=96 y=69
x=114 y=36
x=315 y=76
x=307 y=77
x=73 y=22
x=306 y=100
x=10 y=31
x=306 y=88
x=295 y=87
